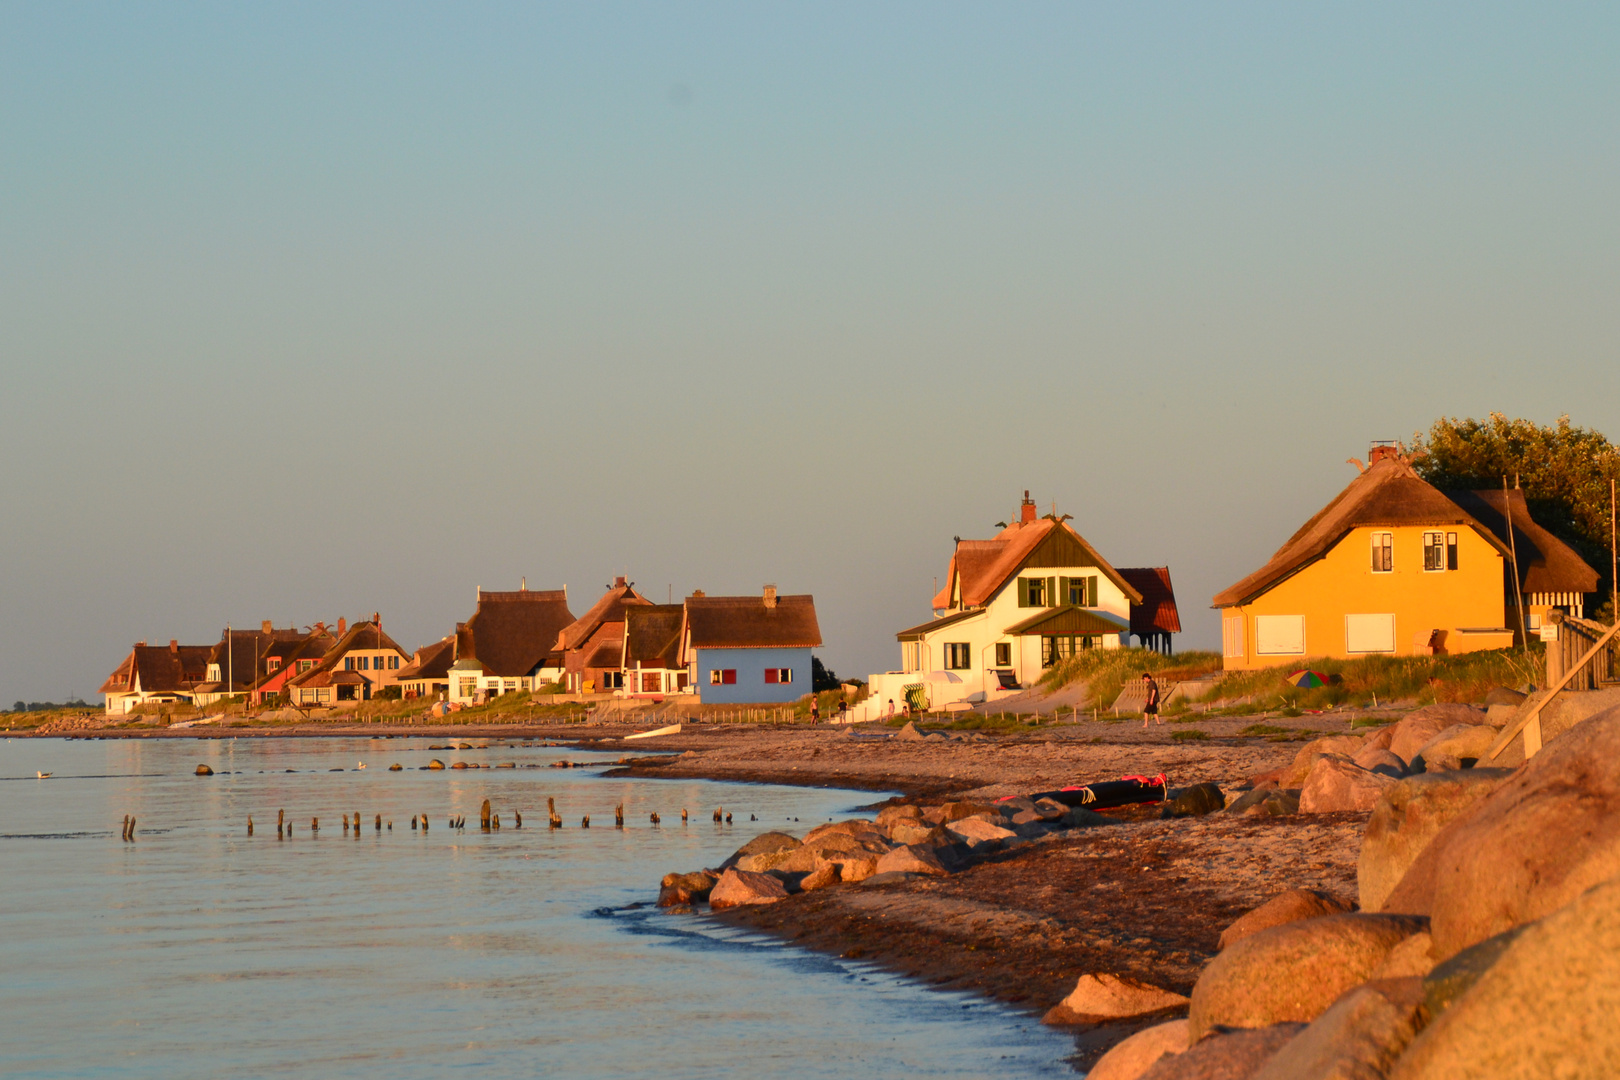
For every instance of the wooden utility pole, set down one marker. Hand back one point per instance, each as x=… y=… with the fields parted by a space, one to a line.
x=1614 y=564
x=1513 y=549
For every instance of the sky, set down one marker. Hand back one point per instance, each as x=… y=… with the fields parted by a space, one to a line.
x=311 y=310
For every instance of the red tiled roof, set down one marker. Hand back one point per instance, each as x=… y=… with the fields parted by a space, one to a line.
x=744 y=622
x=1157 y=613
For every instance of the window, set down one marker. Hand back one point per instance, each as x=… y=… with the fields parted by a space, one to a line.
x=1232 y=635
x=956 y=656
x=722 y=676
x=1451 y=551
x=348 y=663
x=511 y=685
x=305 y=665
x=1369 y=633
x=1383 y=555
x=1056 y=647
x=1032 y=592
x=1279 y=635
x=774 y=675
x=272 y=664
x=613 y=680
x=1003 y=654
x=1434 y=551
x=469 y=687
x=1079 y=591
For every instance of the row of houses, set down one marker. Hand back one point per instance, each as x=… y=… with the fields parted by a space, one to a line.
x=715 y=649
x=1391 y=566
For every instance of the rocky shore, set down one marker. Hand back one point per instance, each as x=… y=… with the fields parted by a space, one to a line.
x=1368 y=904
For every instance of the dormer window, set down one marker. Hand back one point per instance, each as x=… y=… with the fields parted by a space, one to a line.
x=273 y=664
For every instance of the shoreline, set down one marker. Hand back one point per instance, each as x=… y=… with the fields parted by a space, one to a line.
x=1145 y=898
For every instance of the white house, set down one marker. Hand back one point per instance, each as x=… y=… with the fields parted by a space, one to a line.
x=1012 y=608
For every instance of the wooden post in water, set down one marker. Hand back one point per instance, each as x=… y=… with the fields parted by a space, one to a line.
x=314 y=824
x=132 y=828
x=280 y=814
x=585 y=822
x=483 y=815
x=250 y=824
x=495 y=821
x=718 y=813
x=424 y=823
x=683 y=815
x=379 y=823
x=618 y=816
x=653 y=817
x=554 y=818
x=517 y=819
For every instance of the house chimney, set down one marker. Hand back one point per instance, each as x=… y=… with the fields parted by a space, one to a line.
x=1383 y=448
x=770 y=596
x=140 y=644
x=698 y=594
x=266 y=628
x=376 y=619
x=174 y=646
x=619 y=582
x=343 y=624
x=1026 y=510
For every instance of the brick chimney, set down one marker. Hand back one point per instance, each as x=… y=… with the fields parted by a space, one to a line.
x=698 y=594
x=619 y=582
x=770 y=597
x=1383 y=448
x=267 y=628
x=174 y=646
x=1026 y=510
x=343 y=626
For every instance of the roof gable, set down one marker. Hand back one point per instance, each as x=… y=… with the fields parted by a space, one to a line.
x=1157 y=613
x=652 y=633
x=981 y=568
x=610 y=608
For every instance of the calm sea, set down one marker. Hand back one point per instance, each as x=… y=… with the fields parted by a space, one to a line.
x=196 y=951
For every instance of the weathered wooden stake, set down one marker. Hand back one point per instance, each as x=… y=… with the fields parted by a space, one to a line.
x=683 y=815
x=379 y=823
x=314 y=824
x=653 y=817
x=424 y=823
x=517 y=819
x=483 y=815
x=413 y=823
x=585 y=822
x=618 y=816
x=719 y=813
x=495 y=821
x=250 y=824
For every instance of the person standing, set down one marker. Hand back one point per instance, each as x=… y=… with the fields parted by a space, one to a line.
x=1150 y=707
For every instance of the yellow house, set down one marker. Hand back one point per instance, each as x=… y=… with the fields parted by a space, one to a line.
x=1391 y=566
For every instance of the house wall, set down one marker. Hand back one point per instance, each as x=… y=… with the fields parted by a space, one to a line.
x=982 y=633
x=1343 y=584
x=392 y=663
x=750 y=664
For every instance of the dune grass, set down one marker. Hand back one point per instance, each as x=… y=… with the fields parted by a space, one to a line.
x=1106 y=671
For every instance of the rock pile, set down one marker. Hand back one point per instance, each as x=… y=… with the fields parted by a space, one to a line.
x=1485 y=943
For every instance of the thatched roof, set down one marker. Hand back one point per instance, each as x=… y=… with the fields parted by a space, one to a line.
x=982 y=567
x=1546 y=563
x=748 y=622
x=652 y=635
x=430 y=662
x=610 y=608
x=1388 y=493
x=513 y=633
x=160 y=669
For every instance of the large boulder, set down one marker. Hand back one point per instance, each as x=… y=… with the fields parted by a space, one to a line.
x=822 y=876
x=919 y=832
x=1112 y=997
x=910 y=860
x=1134 y=1056
x=1294 y=905
x=890 y=816
x=1293 y=972
x=855 y=867
x=1379 y=760
x=946 y=813
x=1294 y=775
x=1546 y=1007
x=737 y=888
x=685 y=888
x=1336 y=784
x=1547 y=834
x=1379 y=738
x=1409 y=959
x=974 y=831
x=1196 y=801
x=1406 y=818
x=1457 y=747
x=764 y=852
x=1231 y=1055
x=1360 y=1036
x=1421 y=725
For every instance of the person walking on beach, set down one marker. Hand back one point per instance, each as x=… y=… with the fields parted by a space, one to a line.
x=1150 y=708
x=815 y=712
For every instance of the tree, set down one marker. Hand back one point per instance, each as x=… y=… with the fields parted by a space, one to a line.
x=1564 y=470
x=821 y=676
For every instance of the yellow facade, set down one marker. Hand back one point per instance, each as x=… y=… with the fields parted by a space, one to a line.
x=1339 y=606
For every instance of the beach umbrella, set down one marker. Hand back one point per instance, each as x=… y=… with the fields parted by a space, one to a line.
x=1308 y=679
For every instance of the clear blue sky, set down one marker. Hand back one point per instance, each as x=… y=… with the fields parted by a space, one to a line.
x=309 y=310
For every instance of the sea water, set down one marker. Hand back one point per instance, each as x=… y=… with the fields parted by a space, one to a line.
x=198 y=951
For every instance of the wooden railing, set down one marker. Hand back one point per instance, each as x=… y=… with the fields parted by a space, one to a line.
x=1575 y=639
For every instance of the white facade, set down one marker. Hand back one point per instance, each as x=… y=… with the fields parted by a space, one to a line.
x=963 y=660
